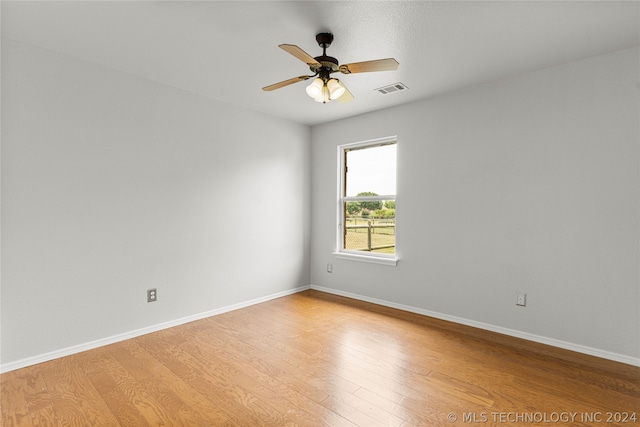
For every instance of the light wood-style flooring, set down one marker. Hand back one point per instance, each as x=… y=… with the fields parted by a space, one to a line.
x=316 y=359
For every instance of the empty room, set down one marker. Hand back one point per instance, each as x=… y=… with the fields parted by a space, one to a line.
x=318 y=213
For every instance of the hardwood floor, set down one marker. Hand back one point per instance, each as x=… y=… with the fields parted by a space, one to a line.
x=315 y=359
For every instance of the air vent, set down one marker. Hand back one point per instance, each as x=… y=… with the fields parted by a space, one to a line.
x=396 y=87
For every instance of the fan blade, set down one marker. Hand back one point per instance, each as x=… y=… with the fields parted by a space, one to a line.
x=346 y=96
x=388 y=64
x=285 y=83
x=299 y=53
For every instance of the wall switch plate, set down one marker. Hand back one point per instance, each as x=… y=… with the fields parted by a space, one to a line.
x=152 y=295
x=521 y=299
x=329 y=268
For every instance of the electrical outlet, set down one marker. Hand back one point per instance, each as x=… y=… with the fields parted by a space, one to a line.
x=521 y=299
x=152 y=295
x=329 y=268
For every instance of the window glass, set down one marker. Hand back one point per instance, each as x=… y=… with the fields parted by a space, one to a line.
x=371 y=169
x=367 y=199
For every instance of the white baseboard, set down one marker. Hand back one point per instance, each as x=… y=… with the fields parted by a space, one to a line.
x=493 y=328
x=154 y=328
x=23 y=363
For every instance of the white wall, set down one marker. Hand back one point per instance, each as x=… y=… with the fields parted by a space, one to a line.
x=526 y=184
x=112 y=184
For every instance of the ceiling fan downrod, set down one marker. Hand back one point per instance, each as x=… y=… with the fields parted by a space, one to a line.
x=326 y=63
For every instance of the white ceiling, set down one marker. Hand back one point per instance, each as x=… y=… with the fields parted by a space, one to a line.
x=228 y=50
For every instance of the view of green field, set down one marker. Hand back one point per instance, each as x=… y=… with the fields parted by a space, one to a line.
x=383 y=235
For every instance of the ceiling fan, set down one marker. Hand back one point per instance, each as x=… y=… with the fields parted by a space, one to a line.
x=324 y=88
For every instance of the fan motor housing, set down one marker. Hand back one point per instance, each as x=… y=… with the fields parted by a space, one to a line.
x=327 y=62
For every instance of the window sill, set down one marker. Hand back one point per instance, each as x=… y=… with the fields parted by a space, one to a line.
x=392 y=261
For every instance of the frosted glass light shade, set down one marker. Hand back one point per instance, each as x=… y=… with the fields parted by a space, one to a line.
x=315 y=88
x=336 y=89
x=324 y=95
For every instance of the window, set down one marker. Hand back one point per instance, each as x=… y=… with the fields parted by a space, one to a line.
x=367 y=201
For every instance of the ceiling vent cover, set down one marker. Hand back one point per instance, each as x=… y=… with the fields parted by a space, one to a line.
x=396 y=87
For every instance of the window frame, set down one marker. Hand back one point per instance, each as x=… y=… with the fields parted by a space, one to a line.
x=342 y=200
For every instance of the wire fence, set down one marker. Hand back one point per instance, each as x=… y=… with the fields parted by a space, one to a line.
x=373 y=235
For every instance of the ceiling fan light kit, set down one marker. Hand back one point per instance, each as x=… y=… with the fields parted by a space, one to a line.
x=324 y=92
x=324 y=88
